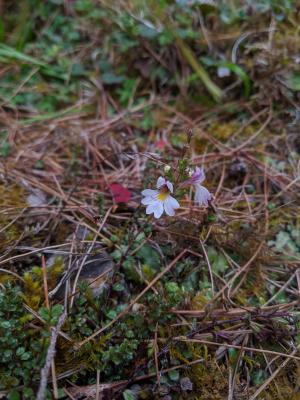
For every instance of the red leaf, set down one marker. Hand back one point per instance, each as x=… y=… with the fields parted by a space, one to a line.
x=120 y=193
x=161 y=144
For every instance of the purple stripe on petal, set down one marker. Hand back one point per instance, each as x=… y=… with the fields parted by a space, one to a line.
x=170 y=186
x=160 y=182
x=198 y=175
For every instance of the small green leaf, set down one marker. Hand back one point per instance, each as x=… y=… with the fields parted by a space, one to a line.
x=28 y=393
x=14 y=395
x=61 y=393
x=147 y=32
x=20 y=351
x=232 y=355
x=293 y=82
x=5 y=149
x=129 y=334
x=237 y=70
x=172 y=287
x=110 y=78
x=129 y=395
x=25 y=356
x=258 y=377
x=7 y=354
x=57 y=310
x=218 y=261
x=118 y=287
x=111 y=314
x=5 y=325
x=44 y=313
x=174 y=375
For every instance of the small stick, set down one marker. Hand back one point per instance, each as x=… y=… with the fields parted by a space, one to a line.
x=85 y=258
x=156 y=356
x=233 y=346
x=275 y=373
x=44 y=270
x=69 y=394
x=298 y=281
x=98 y=384
x=209 y=268
x=54 y=381
x=49 y=358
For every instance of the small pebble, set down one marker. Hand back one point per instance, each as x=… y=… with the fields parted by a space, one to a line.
x=186 y=384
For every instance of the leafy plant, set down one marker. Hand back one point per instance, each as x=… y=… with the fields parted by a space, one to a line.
x=21 y=346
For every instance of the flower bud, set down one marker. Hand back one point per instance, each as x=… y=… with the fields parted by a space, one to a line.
x=189 y=171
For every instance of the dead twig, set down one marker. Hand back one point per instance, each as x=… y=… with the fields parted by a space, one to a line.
x=50 y=357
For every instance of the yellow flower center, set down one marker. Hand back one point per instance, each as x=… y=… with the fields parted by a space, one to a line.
x=162 y=196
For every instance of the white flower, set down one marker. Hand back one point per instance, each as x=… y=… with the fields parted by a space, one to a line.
x=160 y=200
x=167 y=168
x=202 y=195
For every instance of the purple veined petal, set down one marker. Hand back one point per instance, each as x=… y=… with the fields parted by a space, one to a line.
x=149 y=192
x=168 y=206
x=158 y=210
x=202 y=195
x=161 y=181
x=148 y=200
x=170 y=186
x=198 y=175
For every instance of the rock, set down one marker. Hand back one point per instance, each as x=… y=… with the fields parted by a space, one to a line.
x=96 y=269
x=186 y=384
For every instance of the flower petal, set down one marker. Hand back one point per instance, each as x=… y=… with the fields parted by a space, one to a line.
x=169 y=186
x=156 y=208
x=150 y=208
x=161 y=181
x=198 y=175
x=168 y=206
x=147 y=200
x=149 y=192
x=173 y=202
x=159 y=209
x=202 y=195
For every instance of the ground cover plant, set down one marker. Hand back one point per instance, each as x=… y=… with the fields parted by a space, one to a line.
x=149 y=208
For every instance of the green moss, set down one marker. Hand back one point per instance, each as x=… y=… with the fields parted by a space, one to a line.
x=11 y=197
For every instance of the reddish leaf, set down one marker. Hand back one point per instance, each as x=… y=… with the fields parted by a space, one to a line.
x=161 y=144
x=120 y=193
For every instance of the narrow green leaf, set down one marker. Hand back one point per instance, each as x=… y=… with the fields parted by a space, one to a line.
x=212 y=88
x=237 y=70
